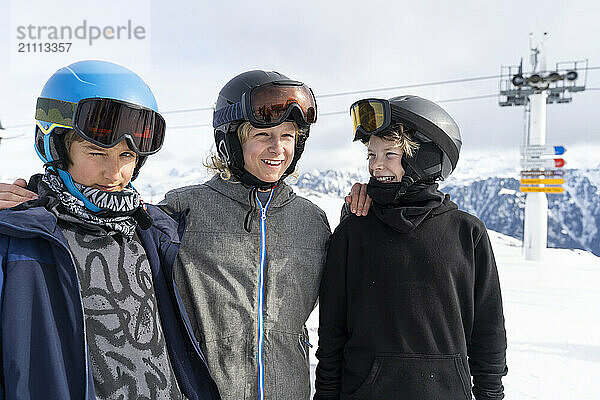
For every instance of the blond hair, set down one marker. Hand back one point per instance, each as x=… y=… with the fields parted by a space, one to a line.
x=215 y=164
x=400 y=137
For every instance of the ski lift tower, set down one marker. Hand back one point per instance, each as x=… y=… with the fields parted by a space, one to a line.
x=535 y=90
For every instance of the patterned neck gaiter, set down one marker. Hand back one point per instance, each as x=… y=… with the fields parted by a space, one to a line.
x=117 y=207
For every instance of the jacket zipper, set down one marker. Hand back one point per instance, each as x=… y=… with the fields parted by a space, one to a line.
x=52 y=239
x=263 y=251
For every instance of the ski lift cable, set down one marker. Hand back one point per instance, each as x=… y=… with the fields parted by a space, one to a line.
x=410 y=86
x=485 y=96
x=188 y=110
x=346 y=111
x=17 y=126
x=11 y=137
x=327 y=95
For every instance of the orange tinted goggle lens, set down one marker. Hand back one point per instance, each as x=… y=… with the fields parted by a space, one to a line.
x=369 y=115
x=270 y=103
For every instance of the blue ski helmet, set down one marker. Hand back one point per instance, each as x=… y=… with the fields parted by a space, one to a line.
x=89 y=79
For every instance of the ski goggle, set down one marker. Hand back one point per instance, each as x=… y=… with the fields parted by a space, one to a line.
x=370 y=117
x=105 y=122
x=271 y=104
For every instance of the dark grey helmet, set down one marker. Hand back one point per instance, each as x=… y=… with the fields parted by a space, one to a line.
x=436 y=132
x=233 y=90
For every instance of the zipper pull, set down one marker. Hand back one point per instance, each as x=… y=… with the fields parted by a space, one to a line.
x=304 y=339
x=264 y=214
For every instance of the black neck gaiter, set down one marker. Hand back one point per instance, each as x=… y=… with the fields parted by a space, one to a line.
x=406 y=211
x=252 y=181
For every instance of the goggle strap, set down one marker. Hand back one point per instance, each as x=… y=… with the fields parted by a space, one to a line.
x=55 y=111
x=232 y=112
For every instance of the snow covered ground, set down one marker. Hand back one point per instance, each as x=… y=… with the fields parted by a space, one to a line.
x=552 y=313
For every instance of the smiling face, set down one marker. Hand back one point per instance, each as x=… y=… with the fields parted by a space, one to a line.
x=385 y=160
x=268 y=152
x=104 y=169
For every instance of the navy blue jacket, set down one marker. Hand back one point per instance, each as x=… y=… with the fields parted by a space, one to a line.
x=42 y=330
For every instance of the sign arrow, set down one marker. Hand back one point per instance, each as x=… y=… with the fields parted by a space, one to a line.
x=542 y=172
x=547 y=181
x=542 y=162
x=537 y=189
x=541 y=150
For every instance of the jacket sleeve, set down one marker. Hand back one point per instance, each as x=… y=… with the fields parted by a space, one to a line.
x=346 y=212
x=333 y=333
x=170 y=204
x=3 y=254
x=487 y=347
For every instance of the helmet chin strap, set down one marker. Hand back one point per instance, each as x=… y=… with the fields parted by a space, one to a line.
x=425 y=164
x=412 y=173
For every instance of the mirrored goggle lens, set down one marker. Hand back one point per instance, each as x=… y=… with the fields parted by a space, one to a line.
x=106 y=122
x=270 y=103
x=370 y=115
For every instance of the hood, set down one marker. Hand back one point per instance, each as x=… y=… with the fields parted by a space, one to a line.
x=28 y=222
x=407 y=217
x=168 y=225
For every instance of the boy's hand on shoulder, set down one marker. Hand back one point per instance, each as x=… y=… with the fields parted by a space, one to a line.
x=358 y=199
x=14 y=194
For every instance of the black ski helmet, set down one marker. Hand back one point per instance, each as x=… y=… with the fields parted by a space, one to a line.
x=435 y=131
x=227 y=142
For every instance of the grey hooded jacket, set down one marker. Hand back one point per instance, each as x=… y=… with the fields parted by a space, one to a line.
x=249 y=294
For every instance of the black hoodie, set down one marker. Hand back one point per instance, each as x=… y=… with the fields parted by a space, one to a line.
x=411 y=313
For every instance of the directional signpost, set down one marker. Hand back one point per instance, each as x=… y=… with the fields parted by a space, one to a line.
x=542 y=171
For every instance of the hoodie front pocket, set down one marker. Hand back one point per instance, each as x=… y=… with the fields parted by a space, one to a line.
x=415 y=376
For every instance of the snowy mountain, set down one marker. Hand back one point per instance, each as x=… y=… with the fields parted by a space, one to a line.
x=573 y=219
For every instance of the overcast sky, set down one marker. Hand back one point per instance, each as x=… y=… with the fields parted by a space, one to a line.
x=191 y=49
